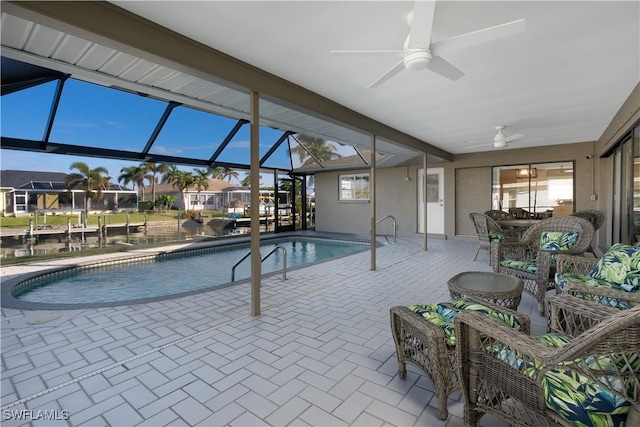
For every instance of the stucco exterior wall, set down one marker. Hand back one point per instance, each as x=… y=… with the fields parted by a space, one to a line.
x=395 y=196
x=473 y=194
x=467 y=189
x=459 y=190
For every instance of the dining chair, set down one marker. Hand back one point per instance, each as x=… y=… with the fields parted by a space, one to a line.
x=488 y=231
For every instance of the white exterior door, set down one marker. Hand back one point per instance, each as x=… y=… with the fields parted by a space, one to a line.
x=434 y=181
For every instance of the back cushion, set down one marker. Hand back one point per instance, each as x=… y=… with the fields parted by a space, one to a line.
x=621 y=265
x=557 y=240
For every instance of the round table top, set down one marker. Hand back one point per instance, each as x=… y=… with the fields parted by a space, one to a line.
x=485 y=281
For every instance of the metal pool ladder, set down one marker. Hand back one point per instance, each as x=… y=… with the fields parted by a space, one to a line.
x=284 y=261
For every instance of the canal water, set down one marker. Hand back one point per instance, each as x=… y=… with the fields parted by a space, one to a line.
x=20 y=246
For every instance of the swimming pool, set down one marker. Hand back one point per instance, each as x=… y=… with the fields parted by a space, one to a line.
x=146 y=278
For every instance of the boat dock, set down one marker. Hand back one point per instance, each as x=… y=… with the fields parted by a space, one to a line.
x=61 y=231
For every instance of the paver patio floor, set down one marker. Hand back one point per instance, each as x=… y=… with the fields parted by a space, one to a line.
x=320 y=354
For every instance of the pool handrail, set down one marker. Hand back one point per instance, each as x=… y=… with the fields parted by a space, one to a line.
x=394 y=225
x=284 y=261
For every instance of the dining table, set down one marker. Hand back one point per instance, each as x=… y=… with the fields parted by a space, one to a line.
x=519 y=225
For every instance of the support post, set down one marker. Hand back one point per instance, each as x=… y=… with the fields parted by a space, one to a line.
x=254 y=99
x=30 y=232
x=372 y=198
x=424 y=200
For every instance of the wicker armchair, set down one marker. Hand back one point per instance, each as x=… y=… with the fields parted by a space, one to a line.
x=540 y=381
x=489 y=231
x=535 y=266
x=424 y=345
x=595 y=217
x=573 y=278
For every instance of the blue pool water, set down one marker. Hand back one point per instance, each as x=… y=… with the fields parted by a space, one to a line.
x=175 y=273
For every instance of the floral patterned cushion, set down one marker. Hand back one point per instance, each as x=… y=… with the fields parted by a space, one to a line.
x=496 y=237
x=620 y=265
x=557 y=240
x=564 y=279
x=574 y=397
x=527 y=265
x=442 y=314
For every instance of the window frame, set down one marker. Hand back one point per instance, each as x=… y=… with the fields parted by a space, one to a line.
x=358 y=194
x=529 y=188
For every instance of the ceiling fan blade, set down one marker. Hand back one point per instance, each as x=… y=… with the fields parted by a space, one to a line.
x=478 y=146
x=478 y=37
x=366 y=53
x=513 y=137
x=421 y=24
x=445 y=69
x=386 y=76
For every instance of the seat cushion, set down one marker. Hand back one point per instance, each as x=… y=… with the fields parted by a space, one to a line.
x=564 y=279
x=526 y=265
x=442 y=315
x=558 y=240
x=621 y=265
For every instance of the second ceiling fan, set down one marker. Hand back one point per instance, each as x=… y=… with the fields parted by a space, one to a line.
x=420 y=53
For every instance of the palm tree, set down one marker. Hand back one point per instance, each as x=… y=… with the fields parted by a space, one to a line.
x=217 y=173
x=135 y=175
x=246 y=182
x=316 y=149
x=154 y=170
x=229 y=173
x=170 y=175
x=182 y=180
x=126 y=176
x=201 y=180
x=92 y=181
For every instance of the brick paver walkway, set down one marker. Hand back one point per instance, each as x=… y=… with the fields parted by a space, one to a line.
x=320 y=354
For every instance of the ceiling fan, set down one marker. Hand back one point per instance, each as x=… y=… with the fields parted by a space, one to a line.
x=420 y=53
x=500 y=140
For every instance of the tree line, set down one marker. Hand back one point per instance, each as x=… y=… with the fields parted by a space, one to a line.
x=94 y=181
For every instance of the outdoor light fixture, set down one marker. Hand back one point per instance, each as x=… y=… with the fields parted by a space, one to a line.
x=527 y=173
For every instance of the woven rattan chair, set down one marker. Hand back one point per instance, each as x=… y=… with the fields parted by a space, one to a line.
x=498 y=215
x=573 y=269
x=536 y=267
x=595 y=217
x=423 y=345
x=502 y=370
x=489 y=231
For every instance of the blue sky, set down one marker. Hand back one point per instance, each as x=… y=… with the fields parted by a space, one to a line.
x=92 y=115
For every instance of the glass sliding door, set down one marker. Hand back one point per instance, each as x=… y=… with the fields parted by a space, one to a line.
x=535 y=190
x=626 y=190
x=635 y=202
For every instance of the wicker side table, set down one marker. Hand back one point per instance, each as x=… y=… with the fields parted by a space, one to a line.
x=500 y=289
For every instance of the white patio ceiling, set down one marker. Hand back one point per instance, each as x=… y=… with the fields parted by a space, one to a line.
x=560 y=81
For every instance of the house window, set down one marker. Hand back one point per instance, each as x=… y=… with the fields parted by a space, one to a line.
x=535 y=190
x=354 y=187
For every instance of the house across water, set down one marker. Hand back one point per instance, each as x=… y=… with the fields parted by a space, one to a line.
x=25 y=192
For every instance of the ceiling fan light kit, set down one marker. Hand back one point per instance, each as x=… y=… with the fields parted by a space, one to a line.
x=417 y=59
x=499 y=143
